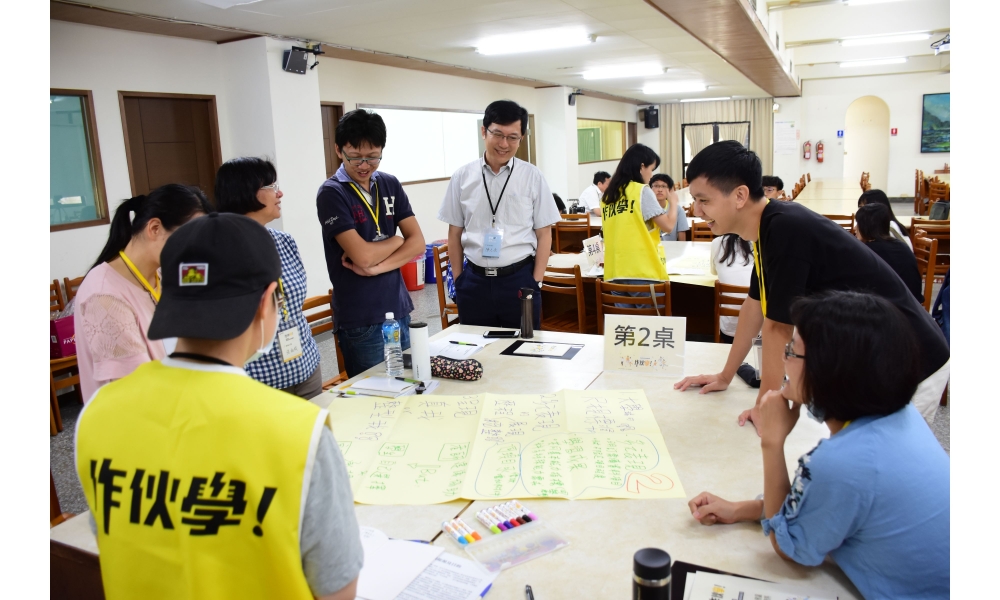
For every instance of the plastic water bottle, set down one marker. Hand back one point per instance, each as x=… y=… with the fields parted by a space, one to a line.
x=393 y=348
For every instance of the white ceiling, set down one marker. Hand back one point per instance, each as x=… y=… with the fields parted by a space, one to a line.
x=446 y=31
x=819 y=21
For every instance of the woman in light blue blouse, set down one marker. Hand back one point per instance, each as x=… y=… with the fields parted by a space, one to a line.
x=875 y=496
x=249 y=186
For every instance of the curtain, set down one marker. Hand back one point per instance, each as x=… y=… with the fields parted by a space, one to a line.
x=756 y=110
x=698 y=137
x=734 y=131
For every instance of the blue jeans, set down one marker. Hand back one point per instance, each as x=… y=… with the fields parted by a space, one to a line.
x=634 y=294
x=363 y=347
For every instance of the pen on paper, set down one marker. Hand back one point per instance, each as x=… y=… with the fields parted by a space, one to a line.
x=462 y=343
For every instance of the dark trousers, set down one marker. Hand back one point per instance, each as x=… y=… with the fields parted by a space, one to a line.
x=493 y=301
x=725 y=339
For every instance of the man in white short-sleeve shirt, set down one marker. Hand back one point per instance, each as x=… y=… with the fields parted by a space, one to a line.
x=591 y=197
x=499 y=212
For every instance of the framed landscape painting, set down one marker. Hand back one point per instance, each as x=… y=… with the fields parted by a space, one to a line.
x=935 y=130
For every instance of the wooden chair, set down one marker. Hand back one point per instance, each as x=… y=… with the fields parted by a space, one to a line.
x=56 y=515
x=865 y=181
x=56 y=303
x=918 y=192
x=845 y=221
x=639 y=305
x=320 y=321
x=925 y=250
x=809 y=177
x=74 y=573
x=935 y=230
x=63 y=373
x=725 y=301
x=572 y=321
x=684 y=184
x=937 y=191
x=701 y=232
x=574 y=227
x=72 y=285
x=441 y=259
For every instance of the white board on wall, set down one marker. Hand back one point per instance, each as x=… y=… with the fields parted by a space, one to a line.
x=423 y=144
x=785 y=142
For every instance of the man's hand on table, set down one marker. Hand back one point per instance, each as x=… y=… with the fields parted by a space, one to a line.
x=709 y=383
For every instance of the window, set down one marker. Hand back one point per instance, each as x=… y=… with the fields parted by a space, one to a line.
x=76 y=180
x=599 y=141
x=695 y=137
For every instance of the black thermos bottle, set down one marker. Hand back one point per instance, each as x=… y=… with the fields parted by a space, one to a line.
x=651 y=575
x=527 y=312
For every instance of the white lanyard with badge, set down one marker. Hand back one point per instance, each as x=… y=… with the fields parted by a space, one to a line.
x=494 y=237
x=378 y=229
x=288 y=340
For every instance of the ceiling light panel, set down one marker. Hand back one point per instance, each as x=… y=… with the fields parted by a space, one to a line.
x=624 y=70
x=673 y=87
x=873 y=63
x=884 y=39
x=706 y=99
x=534 y=41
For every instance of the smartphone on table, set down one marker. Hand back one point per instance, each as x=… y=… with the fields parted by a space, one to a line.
x=502 y=333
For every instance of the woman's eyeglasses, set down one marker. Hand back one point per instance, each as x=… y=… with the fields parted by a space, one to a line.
x=273 y=186
x=790 y=352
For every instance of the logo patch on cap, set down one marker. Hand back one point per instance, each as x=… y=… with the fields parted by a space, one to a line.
x=193 y=274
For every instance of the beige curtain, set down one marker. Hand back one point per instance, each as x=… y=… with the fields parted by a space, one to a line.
x=699 y=137
x=756 y=110
x=734 y=131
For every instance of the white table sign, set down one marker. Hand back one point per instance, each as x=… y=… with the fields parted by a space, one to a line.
x=641 y=344
x=593 y=248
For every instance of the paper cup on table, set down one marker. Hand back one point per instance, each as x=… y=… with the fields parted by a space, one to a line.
x=420 y=351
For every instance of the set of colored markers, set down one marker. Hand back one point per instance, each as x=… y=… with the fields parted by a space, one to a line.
x=505 y=516
x=462 y=533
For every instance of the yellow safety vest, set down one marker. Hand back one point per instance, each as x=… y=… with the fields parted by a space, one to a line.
x=631 y=251
x=195 y=481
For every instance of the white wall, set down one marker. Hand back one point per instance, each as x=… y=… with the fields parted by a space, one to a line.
x=106 y=61
x=821 y=111
x=604 y=110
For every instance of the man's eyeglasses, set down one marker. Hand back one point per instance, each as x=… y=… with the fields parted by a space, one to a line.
x=273 y=186
x=357 y=161
x=513 y=139
x=790 y=352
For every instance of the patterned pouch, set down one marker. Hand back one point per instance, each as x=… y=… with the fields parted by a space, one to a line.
x=462 y=370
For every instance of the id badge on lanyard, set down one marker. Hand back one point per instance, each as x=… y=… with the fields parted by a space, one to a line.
x=290 y=344
x=492 y=242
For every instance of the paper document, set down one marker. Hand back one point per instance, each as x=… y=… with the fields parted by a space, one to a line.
x=392 y=566
x=543 y=349
x=449 y=577
x=449 y=350
x=471 y=338
x=713 y=586
x=571 y=444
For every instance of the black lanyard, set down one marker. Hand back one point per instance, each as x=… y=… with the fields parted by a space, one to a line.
x=200 y=358
x=493 y=210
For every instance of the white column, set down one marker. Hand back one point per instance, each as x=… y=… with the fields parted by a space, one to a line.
x=555 y=124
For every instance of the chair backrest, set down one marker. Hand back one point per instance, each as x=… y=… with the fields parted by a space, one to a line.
x=56 y=302
x=701 y=232
x=938 y=191
x=441 y=259
x=314 y=317
x=637 y=305
x=925 y=250
x=809 y=177
x=684 y=183
x=72 y=285
x=845 y=221
x=575 y=224
x=728 y=300
x=569 y=286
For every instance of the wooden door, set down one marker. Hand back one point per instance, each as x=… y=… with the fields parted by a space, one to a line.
x=526 y=151
x=331 y=116
x=632 y=135
x=170 y=138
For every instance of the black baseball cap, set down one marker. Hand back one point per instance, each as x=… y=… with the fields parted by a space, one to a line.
x=214 y=270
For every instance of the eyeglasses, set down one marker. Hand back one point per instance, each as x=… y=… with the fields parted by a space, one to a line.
x=660 y=186
x=357 y=161
x=513 y=139
x=790 y=352
x=273 y=186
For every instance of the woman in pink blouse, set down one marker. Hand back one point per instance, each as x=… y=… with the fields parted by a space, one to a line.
x=116 y=300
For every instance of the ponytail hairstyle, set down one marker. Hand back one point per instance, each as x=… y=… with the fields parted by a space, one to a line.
x=173 y=204
x=628 y=170
x=733 y=245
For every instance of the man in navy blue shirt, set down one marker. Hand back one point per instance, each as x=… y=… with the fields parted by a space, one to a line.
x=360 y=210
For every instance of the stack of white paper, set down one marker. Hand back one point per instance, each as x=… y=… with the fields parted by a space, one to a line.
x=449 y=577
x=391 y=565
x=712 y=586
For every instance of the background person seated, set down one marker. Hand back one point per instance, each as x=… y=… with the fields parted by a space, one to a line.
x=773 y=186
x=591 y=197
x=875 y=495
x=872 y=226
x=663 y=186
x=897 y=229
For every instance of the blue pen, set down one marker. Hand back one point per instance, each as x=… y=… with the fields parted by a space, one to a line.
x=486 y=590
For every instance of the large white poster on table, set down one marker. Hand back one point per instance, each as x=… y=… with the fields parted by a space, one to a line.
x=640 y=344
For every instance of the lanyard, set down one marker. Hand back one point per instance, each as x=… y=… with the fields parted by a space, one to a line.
x=374 y=213
x=493 y=210
x=758 y=263
x=154 y=292
x=284 y=300
x=201 y=358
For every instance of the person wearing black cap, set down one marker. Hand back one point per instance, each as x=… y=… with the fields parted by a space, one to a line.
x=199 y=477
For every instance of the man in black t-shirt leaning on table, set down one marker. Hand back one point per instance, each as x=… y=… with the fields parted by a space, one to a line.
x=801 y=253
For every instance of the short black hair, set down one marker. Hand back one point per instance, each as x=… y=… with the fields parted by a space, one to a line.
x=629 y=170
x=237 y=183
x=559 y=203
x=600 y=176
x=879 y=197
x=662 y=177
x=772 y=180
x=861 y=354
x=505 y=112
x=727 y=165
x=873 y=222
x=359 y=126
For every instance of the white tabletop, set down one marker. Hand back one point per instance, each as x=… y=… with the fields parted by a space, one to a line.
x=682 y=257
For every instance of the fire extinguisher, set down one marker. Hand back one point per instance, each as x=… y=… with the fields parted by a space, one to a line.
x=819 y=151
x=807 y=150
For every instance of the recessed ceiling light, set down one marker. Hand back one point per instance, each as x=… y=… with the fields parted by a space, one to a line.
x=873 y=63
x=533 y=41
x=673 y=87
x=885 y=39
x=705 y=99
x=864 y=2
x=626 y=70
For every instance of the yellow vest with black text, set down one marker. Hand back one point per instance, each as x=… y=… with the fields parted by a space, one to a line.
x=631 y=251
x=195 y=479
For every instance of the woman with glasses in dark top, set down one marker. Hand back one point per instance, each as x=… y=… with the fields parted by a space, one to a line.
x=875 y=496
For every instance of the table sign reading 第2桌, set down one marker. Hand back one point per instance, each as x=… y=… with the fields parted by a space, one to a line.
x=644 y=344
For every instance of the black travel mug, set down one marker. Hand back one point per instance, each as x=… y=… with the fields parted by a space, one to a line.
x=527 y=312
x=651 y=575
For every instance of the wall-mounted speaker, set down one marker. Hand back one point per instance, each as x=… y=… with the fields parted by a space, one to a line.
x=652 y=117
x=295 y=61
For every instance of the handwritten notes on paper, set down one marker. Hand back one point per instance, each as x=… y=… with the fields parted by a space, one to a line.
x=571 y=444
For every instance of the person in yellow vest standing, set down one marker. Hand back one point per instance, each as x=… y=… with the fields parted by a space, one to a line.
x=201 y=482
x=632 y=221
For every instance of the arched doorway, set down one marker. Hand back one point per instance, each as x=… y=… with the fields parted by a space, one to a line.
x=866 y=141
